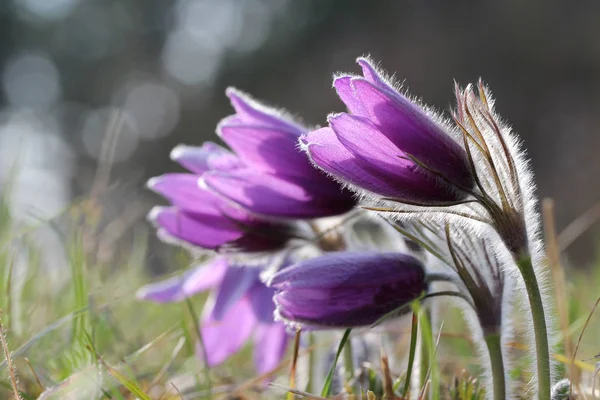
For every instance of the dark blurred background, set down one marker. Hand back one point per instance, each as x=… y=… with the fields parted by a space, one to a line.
x=152 y=74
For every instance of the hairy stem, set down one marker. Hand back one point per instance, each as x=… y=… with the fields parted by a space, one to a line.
x=539 y=326
x=494 y=348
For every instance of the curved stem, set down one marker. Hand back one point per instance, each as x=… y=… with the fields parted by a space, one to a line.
x=494 y=348
x=423 y=359
x=454 y=294
x=349 y=362
x=539 y=326
x=439 y=277
x=411 y=353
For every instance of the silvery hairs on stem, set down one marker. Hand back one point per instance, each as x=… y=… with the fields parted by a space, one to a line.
x=481 y=273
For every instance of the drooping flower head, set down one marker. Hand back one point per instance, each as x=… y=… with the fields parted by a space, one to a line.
x=506 y=192
x=243 y=307
x=347 y=289
x=277 y=178
x=503 y=177
x=389 y=145
x=204 y=219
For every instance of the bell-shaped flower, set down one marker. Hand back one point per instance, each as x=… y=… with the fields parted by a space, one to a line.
x=278 y=179
x=242 y=308
x=201 y=218
x=347 y=289
x=389 y=145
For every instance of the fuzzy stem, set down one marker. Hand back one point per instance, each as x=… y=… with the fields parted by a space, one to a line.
x=348 y=361
x=539 y=326
x=495 y=349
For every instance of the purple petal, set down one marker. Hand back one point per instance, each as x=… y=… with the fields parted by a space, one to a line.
x=310 y=302
x=235 y=284
x=225 y=337
x=348 y=289
x=261 y=298
x=300 y=306
x=366 y=142
x=249 y=111
x=183 y=191
x=207 y=231
x=349 y=269
x=376 y=153
x=372 y=75
x=346 y=93
x=329 y=154
x=410 y=129
x=390 y=112
x=271 y=150
x=271 y=195
x=270 y=344
x=402 y=121
x=208 y=156
x=180 y=287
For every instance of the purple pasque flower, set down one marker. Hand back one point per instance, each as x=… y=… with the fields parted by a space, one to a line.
x=243 y=307
x=347 y=289
x=277 y=178
x=389 y=145
x=204 y=219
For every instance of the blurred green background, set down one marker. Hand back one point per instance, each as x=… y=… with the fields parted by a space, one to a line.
x=67 y=66
x=95 y=93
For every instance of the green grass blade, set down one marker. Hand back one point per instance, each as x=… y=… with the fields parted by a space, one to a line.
x=429 y=347
x=411 y=354
x=127 y=383
x=328 y=381
x=198 y=331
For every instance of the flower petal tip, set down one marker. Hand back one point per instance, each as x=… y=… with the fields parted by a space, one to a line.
x=142 y=293
x=154 y=214
x=207 y=179
x=366 y=61
x=233 y=91
x=238 y=98
x=153 y=183
x=202 y=180
x=180 y=151
x=341 y=78
x=334 y=116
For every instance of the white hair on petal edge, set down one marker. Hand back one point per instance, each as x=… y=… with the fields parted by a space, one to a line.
x=275 y=112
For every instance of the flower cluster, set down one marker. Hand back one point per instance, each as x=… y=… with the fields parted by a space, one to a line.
x=458 y=190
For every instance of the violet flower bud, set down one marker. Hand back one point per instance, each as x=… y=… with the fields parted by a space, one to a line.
x=347 y=289
x=389 y=145
x=278 y=179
